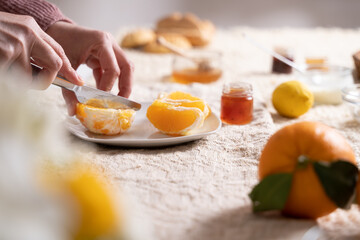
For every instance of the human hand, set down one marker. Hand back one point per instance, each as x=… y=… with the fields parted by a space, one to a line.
x=21 y=39
x=100 y=52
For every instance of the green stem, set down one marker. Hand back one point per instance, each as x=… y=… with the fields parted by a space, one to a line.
x=303 y=162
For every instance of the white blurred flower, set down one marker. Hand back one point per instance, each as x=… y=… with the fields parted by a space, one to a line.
x=25 y=139
x=46 y=191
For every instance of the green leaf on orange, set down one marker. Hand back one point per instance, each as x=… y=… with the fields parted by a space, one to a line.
x=338 y=180
x=272 y=192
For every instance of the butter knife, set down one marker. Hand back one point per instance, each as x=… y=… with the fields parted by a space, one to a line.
x=84 y=93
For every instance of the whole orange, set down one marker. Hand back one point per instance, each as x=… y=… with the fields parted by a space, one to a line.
x=316 y=141
x=358 y=190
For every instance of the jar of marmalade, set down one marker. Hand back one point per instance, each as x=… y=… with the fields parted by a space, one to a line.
x=237 y=103
x=204 y=68
x=279 y=66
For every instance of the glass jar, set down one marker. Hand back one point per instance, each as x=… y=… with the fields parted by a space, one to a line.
x=326 y=82
x=203 y=67
x=279 y=66
x=237 y=103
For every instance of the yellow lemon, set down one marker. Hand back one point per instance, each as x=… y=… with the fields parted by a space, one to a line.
x=292 y=99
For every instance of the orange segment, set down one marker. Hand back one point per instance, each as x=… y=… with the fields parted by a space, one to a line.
x=173 y=119
x=187 y=100
x=101 y=120
x=181 y=96
x=177 y=113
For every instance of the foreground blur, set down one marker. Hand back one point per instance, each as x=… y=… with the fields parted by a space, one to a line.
x=46 y=190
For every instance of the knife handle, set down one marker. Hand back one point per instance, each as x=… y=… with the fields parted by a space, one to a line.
x=62 y=82
x=59 y=80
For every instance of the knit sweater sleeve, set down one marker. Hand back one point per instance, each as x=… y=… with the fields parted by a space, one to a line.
x=42 y=11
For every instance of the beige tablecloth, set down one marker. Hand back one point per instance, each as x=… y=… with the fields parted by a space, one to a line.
x=199 y=190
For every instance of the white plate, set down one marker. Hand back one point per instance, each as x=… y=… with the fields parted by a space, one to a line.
x=142 y=133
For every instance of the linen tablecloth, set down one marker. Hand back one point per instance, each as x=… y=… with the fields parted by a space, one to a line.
x=199 y=190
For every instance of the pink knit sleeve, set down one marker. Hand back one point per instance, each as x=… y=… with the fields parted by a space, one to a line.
x=42 y=11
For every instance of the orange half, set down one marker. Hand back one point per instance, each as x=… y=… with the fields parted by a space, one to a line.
x=187 y=100
x=177 y=113
x=103 y=117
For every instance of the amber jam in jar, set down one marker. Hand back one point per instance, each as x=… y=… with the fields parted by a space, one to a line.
x=189 y=75
x=237 y=103
x=279 y=66
x=203 y=67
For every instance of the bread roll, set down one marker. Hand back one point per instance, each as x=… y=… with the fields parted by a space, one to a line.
x=198 y=32
x=173 y=38
x=138 y=38
x=356 y=58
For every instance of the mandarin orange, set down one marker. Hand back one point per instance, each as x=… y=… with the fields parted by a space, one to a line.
x=358 y=190
x=177 y=113
x=316 y=141
x=104 y=117
x=187 y=100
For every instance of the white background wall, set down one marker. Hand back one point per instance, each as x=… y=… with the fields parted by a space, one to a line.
x=112 y=14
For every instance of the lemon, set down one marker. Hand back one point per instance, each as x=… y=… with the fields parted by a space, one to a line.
x=292 y=99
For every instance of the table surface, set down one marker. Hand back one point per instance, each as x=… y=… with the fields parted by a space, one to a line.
x=199 y=190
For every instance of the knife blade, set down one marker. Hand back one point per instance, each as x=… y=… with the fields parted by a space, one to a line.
x=84 y=93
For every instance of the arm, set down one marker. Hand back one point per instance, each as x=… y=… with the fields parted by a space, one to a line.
x=95 y=48
x=22 y=38
x=44 y=13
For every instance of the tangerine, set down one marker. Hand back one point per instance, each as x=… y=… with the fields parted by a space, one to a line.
x=177 y=113
x=316 y=141
x=358 y=190
x=105 y=117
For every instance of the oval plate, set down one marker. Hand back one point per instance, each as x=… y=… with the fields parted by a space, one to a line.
x=142 y=133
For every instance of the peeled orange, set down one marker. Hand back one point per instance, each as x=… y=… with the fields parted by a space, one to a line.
x=105 y=117
x=177 y=113
x=187 y=100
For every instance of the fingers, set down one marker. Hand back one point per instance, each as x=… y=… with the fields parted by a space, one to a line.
x=110 y=63
x=94 y=64
x=66 y=69
x=21 y=68
x=14 y=56
x=126 y=68
x=22 y=38
x=49 y=60
x=70 y=100
x=97 y=72
x=109 y=66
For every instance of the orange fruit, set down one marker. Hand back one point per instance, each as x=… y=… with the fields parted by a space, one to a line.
x=91 y=202
x=187 y=100
x=316 y=141
x=105 y=117
x=358 y=190
x=94 y=203
x=177 y=113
